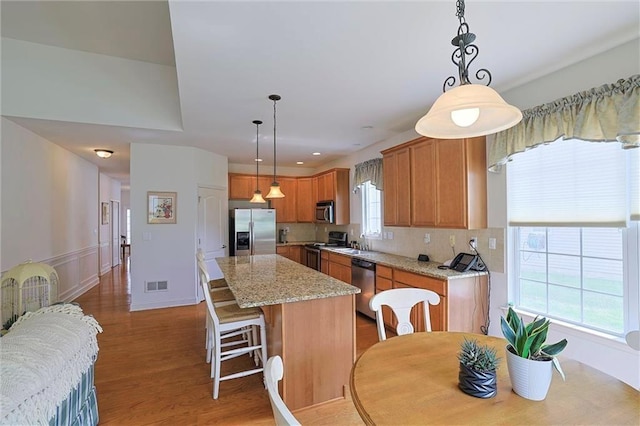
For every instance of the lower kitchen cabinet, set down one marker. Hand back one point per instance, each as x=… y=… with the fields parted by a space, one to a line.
x=340 y=267
x=384 y=281
x=463 y=301
x=290 y=252
x=324 y=262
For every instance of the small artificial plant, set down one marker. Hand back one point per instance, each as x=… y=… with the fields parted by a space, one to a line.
x=477 y=357
x=528 y=341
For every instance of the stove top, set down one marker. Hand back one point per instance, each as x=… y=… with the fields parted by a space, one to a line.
x=336 y=239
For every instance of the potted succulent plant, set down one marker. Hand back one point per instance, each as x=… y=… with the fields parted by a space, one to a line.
x=529 y=358
x=478 y=366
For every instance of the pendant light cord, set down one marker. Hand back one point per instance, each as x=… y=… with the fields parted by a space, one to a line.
x=274 y=140
x=257 y=123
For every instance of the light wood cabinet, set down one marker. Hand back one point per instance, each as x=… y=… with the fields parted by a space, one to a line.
x=437 y=313
x=463 y=301
x=241 y=187
x=286 y=208
x=423 y=188
x=305 y=210
x=290 y=252
x=333 y=185
x=324 y=262
x=447 y=183
x=301 y=194
x=340 y=267
x=396 y=174
x=384 y=281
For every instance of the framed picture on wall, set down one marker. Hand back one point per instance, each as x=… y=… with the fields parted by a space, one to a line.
x=162 y=207
x=105 y=213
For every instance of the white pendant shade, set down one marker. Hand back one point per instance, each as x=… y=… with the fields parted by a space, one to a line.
x=462 y=104
x=274 y=191
x=257 y=197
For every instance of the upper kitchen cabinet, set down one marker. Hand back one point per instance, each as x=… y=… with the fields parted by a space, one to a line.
x=396 y=175
x=241 y=187
x=301 y=194
x=461 y=183
x=333 y=185
x=306 y=200
x=286 y=208
x=446 y=180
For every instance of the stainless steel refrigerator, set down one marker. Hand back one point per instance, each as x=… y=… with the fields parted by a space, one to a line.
x=252 y=231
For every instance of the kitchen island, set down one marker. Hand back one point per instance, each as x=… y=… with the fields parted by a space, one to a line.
x=310 y=323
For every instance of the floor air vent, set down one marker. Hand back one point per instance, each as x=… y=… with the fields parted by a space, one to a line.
x=156 y=286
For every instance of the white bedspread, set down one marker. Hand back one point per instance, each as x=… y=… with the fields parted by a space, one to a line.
x=42 y=359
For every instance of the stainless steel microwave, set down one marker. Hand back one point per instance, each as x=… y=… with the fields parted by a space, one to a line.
x=325 y=212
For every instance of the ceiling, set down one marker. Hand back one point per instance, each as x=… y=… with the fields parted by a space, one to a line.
x=350 y=73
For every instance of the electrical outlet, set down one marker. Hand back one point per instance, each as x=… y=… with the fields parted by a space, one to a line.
x=427 y=238
x=452 y=240
x=390 y=235
x=473 y=242
x=286 y=229
x=492 y=243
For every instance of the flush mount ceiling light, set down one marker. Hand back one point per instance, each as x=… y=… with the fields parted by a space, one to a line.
x=257 y=195
x=470 y=109
x=103 y=153
x=274 y=191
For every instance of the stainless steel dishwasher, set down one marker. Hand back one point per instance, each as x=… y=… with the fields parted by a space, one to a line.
x=363 y=276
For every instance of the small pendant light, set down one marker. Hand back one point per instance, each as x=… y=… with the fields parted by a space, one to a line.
x=257 y=195
x=274 y=191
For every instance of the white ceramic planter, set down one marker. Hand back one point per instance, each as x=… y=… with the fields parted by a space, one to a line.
x=530 y=379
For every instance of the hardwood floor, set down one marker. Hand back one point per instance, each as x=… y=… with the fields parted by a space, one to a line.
x=151 y=367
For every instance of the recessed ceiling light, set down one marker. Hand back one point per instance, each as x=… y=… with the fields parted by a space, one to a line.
x=299 y=162
x=366 y=127
x=258 y=159
x=103 y=153
x=316 y=153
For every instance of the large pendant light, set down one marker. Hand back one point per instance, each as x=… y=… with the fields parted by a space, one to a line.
x=274 y=191
x=470 y=109
x=257 y=195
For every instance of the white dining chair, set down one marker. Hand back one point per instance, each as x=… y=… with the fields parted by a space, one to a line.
x=219 y=283
x=274 y=371
x=401 y=300
x=247 y=328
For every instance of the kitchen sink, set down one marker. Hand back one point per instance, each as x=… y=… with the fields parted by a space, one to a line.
x=351 y=251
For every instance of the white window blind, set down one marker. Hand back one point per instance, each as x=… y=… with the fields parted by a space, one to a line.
x=572 y=182
x=634 y=182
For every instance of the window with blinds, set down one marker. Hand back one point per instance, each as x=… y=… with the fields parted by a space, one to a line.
x=574 y=209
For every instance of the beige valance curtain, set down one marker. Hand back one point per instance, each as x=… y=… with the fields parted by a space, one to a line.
x=370 y=170
x=607 y=113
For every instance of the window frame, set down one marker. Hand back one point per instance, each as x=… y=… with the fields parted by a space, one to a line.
x=365 y=210
x=630 y=271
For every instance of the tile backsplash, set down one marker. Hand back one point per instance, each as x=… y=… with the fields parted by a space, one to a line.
x=410 y=241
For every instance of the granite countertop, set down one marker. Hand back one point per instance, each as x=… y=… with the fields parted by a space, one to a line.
x=408 y=264
x=270 y=279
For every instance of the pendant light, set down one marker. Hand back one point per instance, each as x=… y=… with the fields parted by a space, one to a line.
x=257 y=195
x=470 y=109
x=274 y=191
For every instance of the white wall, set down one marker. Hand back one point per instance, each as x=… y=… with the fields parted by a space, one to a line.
x=53 y=83
x=49 y=209
x=167 y=251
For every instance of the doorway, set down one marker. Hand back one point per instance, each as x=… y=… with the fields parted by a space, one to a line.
x=213 y=222
x=115 y=233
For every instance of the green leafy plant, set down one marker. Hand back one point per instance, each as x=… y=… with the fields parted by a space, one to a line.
x=477 y=357
x=528 y=341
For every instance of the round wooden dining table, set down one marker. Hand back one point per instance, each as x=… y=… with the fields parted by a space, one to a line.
x=413 y=380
